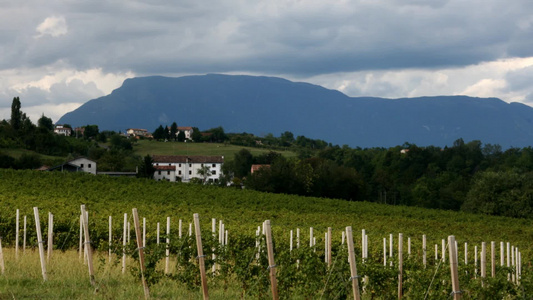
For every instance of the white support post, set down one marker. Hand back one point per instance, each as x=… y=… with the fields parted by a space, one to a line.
x=167 y=252
x=424 y=250
x=124 y=242
x=40 y=242
x=24 y=238
x=17 y=234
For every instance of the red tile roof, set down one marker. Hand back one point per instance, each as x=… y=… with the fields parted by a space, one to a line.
x=257 y=167
x=187 y=159
x=165 y=168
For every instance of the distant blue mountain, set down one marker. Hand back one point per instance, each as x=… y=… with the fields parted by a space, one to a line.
x=262 y=105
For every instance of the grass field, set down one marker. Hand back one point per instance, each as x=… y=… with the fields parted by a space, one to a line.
x=144 y=147
x=68 y=278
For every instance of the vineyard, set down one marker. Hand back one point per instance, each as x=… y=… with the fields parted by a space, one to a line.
x=310 y=245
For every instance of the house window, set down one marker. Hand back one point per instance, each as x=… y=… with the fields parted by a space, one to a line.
x=81 y=166
x=170 y=164
x=89 y=166
x=158 y=172
x=168 y=172
x=190 y=165
x=180 y=165
x=202 y=165
x=214 y=172
x=213 y=165
x=190 y=172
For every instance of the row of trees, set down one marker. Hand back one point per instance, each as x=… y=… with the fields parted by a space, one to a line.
x=466 y=176
x=20 y=133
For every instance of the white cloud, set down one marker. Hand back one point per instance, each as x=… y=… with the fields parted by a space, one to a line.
x=507 y=79
x=56 y=90
x=53 y=26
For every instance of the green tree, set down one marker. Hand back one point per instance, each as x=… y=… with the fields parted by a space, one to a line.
x=205 y=172
x=173 y=131
x=159 y=133
x=146 y=167
x=91 y=131
x=16 y=114
x=196 y=135
x=181 y=136
x=46 y=123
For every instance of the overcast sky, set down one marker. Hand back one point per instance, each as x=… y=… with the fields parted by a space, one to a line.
x=56 y=55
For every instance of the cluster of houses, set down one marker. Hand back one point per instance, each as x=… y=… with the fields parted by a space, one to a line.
x=167 y=167
x=130 y=132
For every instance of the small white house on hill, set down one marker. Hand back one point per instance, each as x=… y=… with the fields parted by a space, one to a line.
x=80 y=164
x=184 y=168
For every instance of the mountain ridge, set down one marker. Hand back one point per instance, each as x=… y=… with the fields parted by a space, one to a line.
x=262 y=104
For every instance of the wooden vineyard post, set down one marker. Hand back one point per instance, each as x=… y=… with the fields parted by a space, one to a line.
x=310 y=237
x=2 y=265
x=40 y=241
x=483 y=260
x=17 y=225
x=24 y=238
x=88 y=243
x=492 y=259
x=158 y=231
x=409 y=246
x=81 y=249
x=400 y=266
x=502 y=254
x=466 y=253
x=475 y=261
x=443 y=246
x=508 y=259
x=180 y=229
x=329 y=247
x=384 y=252
x=363 y=233
x=271 y=263
x=144 y=232
x=456 y=292
x=140 y=247
x=201 y=256
x=353 y=267
x=424 y=250
x=290 y=241
x=167 y=251
x=124 y=242
x=214 y=232
x=110 y=237
x=50 y=235
x=390 y=248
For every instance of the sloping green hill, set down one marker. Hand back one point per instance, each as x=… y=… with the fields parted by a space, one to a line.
x=150 y=147
x=242 y=210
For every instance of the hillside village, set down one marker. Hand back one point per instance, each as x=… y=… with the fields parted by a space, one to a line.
x=173 y=168
x=467 y=175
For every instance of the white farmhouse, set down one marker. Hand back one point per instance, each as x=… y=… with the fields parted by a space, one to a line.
x=62 y=130
x=184 y=168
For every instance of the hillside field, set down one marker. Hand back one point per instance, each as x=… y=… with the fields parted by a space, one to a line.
x=150 y=147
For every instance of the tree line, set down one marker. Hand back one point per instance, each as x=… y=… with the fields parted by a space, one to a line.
x=469 y=176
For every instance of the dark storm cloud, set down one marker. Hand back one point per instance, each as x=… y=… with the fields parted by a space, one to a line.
x=310 y=37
